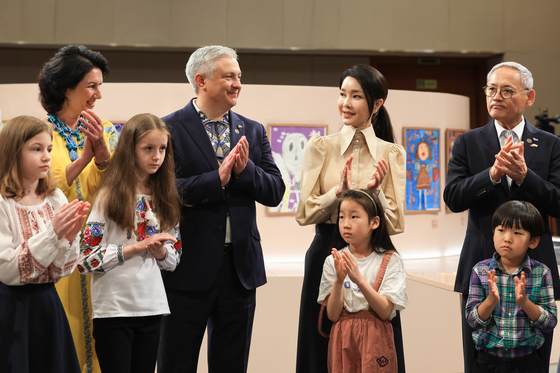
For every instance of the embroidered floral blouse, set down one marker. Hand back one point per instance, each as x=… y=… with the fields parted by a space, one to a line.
x=30 y=251
x=131 y=287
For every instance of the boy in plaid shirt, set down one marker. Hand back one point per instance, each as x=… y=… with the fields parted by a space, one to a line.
x=511 y=299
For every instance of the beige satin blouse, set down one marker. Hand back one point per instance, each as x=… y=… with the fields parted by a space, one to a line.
x=325 y=157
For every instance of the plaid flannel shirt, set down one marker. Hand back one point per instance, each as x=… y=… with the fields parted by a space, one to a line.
x=509 y=332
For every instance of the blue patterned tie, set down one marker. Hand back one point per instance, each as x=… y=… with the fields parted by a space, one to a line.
x=219 y=135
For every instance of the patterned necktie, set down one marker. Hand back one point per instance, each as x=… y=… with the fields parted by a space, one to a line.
x=505 y=135
x=503 y=138
x=219 y=135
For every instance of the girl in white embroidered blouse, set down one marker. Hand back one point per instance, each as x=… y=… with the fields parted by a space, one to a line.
x=131 y=234
x=38 y=246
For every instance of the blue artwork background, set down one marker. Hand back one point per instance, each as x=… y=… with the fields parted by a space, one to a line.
x=422 y=176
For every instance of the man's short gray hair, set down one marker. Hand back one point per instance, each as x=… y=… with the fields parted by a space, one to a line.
x=203 y=61
x=526 y=76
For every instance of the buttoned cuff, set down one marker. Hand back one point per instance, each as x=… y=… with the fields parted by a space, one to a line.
x=543 y=318
x=477 y=318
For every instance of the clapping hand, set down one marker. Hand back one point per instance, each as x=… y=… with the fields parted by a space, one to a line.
x=242 y=149
x=68 y=219
x=352 y=267
x=339 y=266
x=154 y=244
x=94 y=133
x=377 y=176
x=345 y=177
x=493 y=292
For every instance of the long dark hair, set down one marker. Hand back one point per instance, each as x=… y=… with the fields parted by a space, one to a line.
x=64 y=71
x=374 y=85
x=380 y=240
x=118 y=186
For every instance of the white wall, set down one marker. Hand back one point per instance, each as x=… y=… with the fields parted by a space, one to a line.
x=426 y=235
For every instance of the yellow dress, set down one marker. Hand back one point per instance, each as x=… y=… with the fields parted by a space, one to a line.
x=74 y=290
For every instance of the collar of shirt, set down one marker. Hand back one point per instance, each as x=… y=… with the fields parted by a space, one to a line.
x=525 y=265
x=517 y=129
x=347 y=134
x=205 y=119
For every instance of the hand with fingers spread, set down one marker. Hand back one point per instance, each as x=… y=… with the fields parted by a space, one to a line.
x=94 y=132
x=377 y=176
x=345 y=177
x=68 y=219
x=243 y=151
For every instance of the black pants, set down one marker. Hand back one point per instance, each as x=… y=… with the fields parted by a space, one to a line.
x=487 y=363
x=127 y=344
x=227 y=309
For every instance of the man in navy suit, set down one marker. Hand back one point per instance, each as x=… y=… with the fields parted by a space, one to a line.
x=489 y=166
x=224 y=165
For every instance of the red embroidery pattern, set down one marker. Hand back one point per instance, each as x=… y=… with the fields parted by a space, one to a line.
x=30 y=270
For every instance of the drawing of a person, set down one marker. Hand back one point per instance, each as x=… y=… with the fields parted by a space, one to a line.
x=424 y=169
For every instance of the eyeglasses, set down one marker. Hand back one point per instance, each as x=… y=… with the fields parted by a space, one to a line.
x=504 y=92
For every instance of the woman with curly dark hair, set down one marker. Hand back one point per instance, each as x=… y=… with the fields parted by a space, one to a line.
x=69 y=86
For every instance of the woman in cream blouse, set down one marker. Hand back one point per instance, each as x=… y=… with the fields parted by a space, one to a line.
x=361 y=155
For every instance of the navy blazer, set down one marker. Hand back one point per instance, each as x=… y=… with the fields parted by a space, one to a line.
x=206 y=203
x=469 y=187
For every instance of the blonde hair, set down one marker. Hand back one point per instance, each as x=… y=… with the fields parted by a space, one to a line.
x=12 y=138
x=118 y=187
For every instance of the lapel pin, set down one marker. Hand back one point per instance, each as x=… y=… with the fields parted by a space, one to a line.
x=534 y=145
x=529 y=141
x=237 y=131
x=534 y=139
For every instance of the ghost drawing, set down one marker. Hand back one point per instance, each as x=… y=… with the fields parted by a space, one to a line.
x=290 y=163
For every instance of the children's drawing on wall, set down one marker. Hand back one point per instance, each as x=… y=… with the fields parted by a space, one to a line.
x=450 y=136
x=422 y=170
x=288 y=143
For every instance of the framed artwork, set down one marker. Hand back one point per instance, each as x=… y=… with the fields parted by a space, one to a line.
x=450 y=136
x=288 y=143
x=422 y=170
